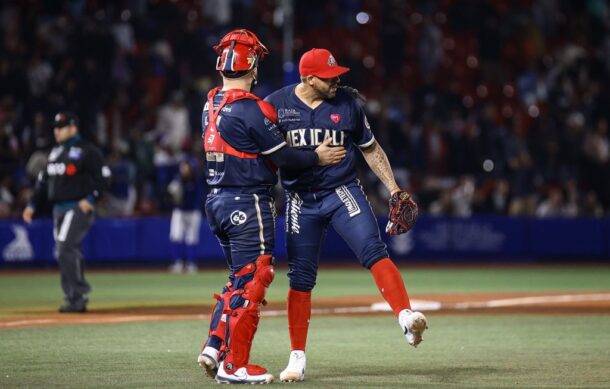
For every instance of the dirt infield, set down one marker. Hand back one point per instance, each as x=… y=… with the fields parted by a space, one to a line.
x=480 y=303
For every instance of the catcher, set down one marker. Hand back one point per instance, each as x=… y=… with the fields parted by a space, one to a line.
x=317 y=197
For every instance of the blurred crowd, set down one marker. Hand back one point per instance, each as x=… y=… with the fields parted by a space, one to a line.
x=483 y=107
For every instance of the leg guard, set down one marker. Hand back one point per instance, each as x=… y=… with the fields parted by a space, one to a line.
x=218 y=321
x=243 y=309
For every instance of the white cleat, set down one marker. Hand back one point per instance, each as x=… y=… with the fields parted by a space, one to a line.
x=250 y=374
x=413 y=325
x=295 y=371
x=208 y=360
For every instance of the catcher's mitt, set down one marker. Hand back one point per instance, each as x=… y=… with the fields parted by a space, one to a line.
x=403 y=213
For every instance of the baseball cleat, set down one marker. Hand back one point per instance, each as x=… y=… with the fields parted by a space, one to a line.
x=295 y=371
x=208 y=360
x=249 y=374
x=413 y=325
x=78 y=306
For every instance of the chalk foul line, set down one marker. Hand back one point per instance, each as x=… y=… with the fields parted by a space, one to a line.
x=419 y=305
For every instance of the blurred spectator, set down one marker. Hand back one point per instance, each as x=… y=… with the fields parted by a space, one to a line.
x=172 y=131
x=120 y=200
x=553 y=205
x=186 y=190
x=7 y=200
x=514 y=95
x=493 y=198
x=590 y=206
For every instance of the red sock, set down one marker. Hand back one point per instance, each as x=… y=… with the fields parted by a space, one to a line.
x=390 y=284
x=299 y=312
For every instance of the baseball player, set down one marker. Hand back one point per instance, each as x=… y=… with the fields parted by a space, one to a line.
x=242 y=147
x=74 y=178
x=186 y=191
x=331 y=195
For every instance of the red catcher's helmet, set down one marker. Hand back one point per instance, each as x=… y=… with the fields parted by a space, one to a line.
x=238 y=51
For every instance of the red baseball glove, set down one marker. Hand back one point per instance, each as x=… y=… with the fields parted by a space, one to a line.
x=403 y=213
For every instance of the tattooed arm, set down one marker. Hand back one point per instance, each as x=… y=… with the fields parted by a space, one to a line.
x=379 y=164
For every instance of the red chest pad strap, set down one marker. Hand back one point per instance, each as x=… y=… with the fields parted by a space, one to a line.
x=213 y=141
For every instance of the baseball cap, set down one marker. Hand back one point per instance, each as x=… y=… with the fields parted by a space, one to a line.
x=63 y=119
x=320 y=63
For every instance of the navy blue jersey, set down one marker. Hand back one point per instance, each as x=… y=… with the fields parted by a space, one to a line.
x=243 y=126
x=192 y=192
x=340 y=118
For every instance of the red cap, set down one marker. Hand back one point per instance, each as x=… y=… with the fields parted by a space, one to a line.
x=320 y=63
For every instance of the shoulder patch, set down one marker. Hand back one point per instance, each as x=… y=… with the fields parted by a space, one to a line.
x=268 y=110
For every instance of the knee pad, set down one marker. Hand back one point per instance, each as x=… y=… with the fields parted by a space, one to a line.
x=262 y=276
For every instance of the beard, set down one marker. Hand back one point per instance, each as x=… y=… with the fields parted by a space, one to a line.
x=328 y=92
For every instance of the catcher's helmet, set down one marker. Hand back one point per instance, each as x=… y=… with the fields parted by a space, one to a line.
x=239 y=52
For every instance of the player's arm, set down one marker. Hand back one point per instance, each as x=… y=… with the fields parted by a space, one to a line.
x=40 y=190
x=100 y=177
x=288 y=157
x=380 y=165
x=298 y=159
x=403 y=210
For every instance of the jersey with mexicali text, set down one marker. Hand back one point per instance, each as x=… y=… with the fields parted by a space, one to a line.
x=340 y=118
x=242 y=125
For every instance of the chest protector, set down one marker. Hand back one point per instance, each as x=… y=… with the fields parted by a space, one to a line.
x=213 y=141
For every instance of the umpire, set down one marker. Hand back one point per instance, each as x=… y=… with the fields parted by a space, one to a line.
x=74 y=178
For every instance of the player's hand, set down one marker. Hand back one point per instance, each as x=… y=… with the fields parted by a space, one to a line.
x=27 y=215
x=403 y=213
x=85 y=206
x=328 y=154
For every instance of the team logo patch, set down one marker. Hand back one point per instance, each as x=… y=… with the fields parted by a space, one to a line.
x=331 y=61
x=348 y=200
x=238 y=217
x=335 y=117
x=288 y=115
x=71 y=169
x=75 y=152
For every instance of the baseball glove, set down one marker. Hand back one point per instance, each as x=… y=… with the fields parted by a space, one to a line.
x=354 y=92
x=403 y=213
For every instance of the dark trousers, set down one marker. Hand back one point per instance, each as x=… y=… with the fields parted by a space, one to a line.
x=308 y=215
x=69 y=229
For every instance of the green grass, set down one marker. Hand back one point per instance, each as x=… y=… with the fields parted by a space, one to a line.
x=459 y=351
x=365 y=352
x=22 y=293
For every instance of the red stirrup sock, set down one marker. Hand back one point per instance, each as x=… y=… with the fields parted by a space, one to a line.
x=299 y=313
x=390 y=284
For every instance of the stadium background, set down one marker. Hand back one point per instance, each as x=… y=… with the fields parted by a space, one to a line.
x=485 y=109
x=494 y=114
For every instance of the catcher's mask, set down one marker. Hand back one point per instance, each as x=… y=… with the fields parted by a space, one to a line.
x=238 y=53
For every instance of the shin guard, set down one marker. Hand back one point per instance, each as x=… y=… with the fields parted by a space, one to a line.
x=243 y=310
x=218 y=320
